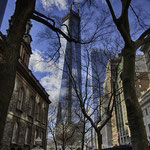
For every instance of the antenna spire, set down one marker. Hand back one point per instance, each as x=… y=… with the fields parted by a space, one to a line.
x=72 y=6
x=78 y=6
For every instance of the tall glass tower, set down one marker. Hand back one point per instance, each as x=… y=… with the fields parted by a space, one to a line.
x=70 y=63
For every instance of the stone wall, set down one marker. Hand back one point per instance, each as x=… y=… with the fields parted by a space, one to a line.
x=23 y=118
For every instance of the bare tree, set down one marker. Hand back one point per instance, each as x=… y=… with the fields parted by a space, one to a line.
x=135 y=118
x=88 y=105
x=65 y=134
x=52 y=125
x=10 y=48
x=133 y=40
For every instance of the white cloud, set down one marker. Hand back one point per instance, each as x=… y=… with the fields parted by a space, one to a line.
x=60 y=4
x=51 y=82
x=37 y=63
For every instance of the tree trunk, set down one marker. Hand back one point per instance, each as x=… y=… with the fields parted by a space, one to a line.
x=99 y=138
x=134 y=112
x=55 y=144
x=63 y=146
x=83 y=135
x=10 y=48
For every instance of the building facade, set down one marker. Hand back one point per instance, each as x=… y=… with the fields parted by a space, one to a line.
x=70 y=77
x=99 y=60
x=146 y=50
x=28 y=109
x=121 y=130
x=70 y=64
x=145 y=98
x=109 y=132
x=145 y=105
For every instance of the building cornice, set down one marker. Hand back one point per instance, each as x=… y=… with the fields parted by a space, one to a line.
x=28 y=75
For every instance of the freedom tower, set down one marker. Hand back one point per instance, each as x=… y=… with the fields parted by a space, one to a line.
x=70 y=69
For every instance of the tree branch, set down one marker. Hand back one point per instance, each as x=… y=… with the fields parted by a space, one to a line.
x=55 y=29
x=112 y=11
x=43 y=16
x=125 y=7
x=144 y=38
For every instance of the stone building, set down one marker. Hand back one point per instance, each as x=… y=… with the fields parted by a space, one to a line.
x=145 y=105
x=28 y=109
x=141 y=84
x=145 y=98
x=119 y=122
x=109 y=132
x=146 y=50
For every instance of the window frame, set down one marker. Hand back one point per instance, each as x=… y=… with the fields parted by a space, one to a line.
x=21 y=96
x=15 y=133
x=38 y=109
x=27 y=140
x=31 y=106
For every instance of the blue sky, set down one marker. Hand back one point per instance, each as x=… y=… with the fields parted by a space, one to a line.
x=47 y=73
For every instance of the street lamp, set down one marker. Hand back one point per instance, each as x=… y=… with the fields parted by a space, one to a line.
x=38 y=143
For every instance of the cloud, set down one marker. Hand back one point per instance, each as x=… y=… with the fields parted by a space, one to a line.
x=60 y=4
x=37 y=63
x=51 y=82
x=52 y=86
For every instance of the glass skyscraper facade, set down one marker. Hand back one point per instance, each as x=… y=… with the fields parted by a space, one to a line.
x=70 y=69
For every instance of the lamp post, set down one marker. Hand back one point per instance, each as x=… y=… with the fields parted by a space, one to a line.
x=38 y=143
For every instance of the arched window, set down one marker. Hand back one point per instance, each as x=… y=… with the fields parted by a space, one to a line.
x=15 y=133
x=20 y=98
x=31 y=106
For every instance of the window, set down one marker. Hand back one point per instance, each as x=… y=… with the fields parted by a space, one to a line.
x=143 y=113
x=44 y=114
x=15 y=133
x=27 y=135
x=149 y=53
x=149 y=127
x=24 y=57
x=20 y=98
x=139 y=86
x=38 y=109
x=31 y=106
x=42 y=137
x=35 y=135
x=146 y=112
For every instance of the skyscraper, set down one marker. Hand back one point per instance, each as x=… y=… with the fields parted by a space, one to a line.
x=70 y=79
x=99 y=59
x=3 y=4
x=70 y=63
